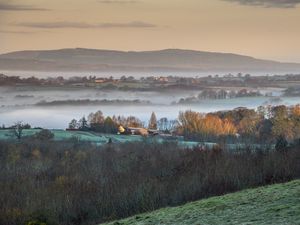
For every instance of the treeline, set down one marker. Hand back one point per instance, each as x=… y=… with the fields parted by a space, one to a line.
x=292 y=92
x=81 y=102
x=264 y=125
x=74 y=183
x=13 y=80
x=219 y=94
x=99 y=123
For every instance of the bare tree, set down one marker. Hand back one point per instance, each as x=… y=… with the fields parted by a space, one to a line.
x=162 y=124
x=73 y=124
x=17 y=129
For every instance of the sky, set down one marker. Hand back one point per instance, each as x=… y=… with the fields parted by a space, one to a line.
x=267 y=29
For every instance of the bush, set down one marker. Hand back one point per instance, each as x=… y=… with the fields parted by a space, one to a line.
x=44 y=135
x=36 y=223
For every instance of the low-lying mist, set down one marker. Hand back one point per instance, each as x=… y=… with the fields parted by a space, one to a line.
x=24 y=104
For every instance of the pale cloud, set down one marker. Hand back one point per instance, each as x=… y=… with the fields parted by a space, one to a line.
x=8 y=6
x=15 y=32
x=118 y=1
x=82 y=25
x=268 y=3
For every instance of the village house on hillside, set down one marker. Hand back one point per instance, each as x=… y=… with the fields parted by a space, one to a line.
x=137 y=131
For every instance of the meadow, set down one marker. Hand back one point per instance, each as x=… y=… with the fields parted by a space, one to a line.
x=274 y=204
x=95 y=138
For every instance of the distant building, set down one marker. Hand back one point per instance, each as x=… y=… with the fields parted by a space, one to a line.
x=99 y=81
x=78 y=85
x=137 y=131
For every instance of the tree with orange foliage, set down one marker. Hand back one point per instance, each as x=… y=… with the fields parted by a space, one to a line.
x=193 y=124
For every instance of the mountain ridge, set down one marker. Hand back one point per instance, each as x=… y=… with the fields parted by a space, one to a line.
x=84 y=59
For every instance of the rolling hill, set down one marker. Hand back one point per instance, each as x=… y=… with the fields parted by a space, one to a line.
x=274 y=204
x=80 y=59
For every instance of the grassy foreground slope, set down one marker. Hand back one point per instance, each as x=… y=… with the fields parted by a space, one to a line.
x=275 y=204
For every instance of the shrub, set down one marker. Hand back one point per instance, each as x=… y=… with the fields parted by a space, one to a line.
x=36 y=223
x=44 y=135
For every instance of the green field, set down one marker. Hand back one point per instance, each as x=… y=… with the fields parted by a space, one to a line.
x=275 y=204
x=100 y=139
x=92 y=137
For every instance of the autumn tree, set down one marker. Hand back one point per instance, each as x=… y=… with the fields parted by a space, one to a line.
x=189 y=123
x=282 y=124
x=248 y=125
x=109 y=125
x=133 y=121
x=96 y=118
x=295 y=117
x=196 y=125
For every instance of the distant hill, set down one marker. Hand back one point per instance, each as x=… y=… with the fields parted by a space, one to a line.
x=80 y=59
x=275 y=204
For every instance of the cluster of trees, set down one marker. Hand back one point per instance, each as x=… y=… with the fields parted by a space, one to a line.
x=223 y=94
x=73 y=183
x=219 y=94
x=292 y=91
x=12 y=80
x=99 y=123
x=264 y=125
x=81 y=102
x=194 y=125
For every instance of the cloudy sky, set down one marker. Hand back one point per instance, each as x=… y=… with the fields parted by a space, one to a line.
x=267 y=29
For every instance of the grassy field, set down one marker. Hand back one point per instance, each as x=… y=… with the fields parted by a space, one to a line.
x=101 y=139
x=276 y=204
x=92 y=137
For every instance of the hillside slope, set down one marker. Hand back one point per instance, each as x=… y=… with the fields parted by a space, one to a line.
x=275 y=204
x=80 y=59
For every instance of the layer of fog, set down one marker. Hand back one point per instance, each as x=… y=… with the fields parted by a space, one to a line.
x=24 y=96
x=19 y=104
x=59 y=117
x=27 y=96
